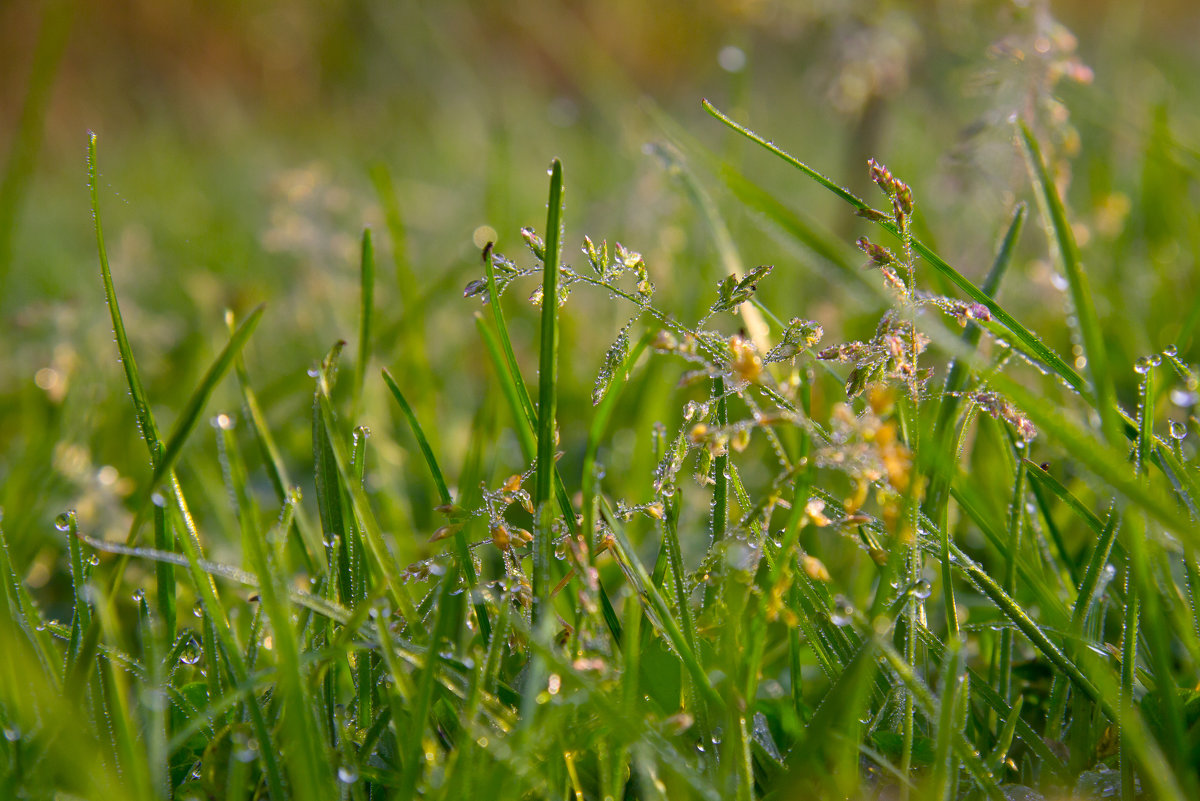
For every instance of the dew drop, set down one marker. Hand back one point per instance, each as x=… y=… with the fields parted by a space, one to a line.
x=94 y=559
x=1184 y=398
x=1142 y=365
x=842 y=613
x=158 y=500
x=1171 y=350
x=190 y=654
x=1178 y=430
x=922 y=589
x=63 y=521
x=347 y=775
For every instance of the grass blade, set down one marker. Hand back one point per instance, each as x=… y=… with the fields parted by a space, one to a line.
x=448 y=610
x=543 y=546
x=366 y=314
x=460 y=536
x=141 y=407
x=190 y=415
x=1081 y=296
x=1031 y=344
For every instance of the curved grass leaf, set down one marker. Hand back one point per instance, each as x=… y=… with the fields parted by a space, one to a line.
x=1081 y=296
x=1034 y=346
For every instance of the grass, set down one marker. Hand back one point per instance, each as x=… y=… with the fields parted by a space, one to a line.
x=939 y=561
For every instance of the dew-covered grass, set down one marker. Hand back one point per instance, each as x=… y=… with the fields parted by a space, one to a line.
x=907 y=511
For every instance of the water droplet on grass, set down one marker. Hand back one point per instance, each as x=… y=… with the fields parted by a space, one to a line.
x=1178 y=430
x=842 y=613
x=347 y=775
x=1184 y=398
x=63 y=521
x=190 y=654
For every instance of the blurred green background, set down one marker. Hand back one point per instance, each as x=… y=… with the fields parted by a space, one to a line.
x=237 y=143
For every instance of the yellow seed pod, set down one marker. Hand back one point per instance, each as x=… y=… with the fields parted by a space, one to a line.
x=815 y=568
x=500 y=537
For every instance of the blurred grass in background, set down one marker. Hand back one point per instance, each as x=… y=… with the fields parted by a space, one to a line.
x=244 y=147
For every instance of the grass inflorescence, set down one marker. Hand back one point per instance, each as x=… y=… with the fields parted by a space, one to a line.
x=840 y=572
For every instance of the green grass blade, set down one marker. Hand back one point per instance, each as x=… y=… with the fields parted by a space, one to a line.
x=386 y=563
x=1104 y=461
x=1031 y=344
x=277 y=470
x=385 y=190
x=216 y=622
x=419 y=433
x=1081 y=295
x=141 y=406
x=460 y=537
x=22 y=611
x=448 y=612
x=654 y=602
x=79 y=579
x=830 y=746
x=190 y=415
x=1129 y=638
x=366 y=315
x=600 y=419
x=307 y=762
x=543 y=546
x=1016 y=522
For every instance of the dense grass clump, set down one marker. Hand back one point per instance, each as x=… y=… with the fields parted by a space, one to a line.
x=940 y=561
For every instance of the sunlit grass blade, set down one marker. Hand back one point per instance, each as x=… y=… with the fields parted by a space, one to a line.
x=189 y=416
x=141 y=406
x=1034 y=346
x=1102 y=460
x=1083 y=305
x=216 y=625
